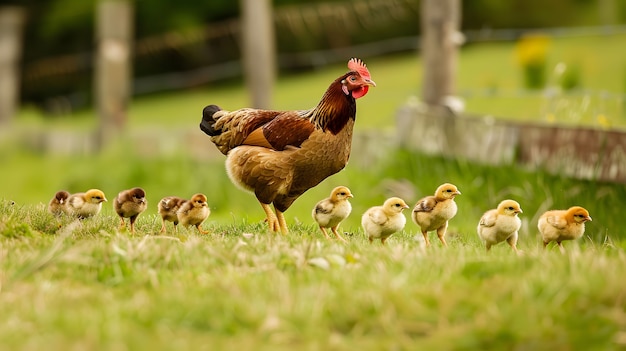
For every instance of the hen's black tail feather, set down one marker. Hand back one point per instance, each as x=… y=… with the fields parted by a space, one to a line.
x=207 y=123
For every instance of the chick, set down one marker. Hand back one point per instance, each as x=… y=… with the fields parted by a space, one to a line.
x=129 y=204
x=433 y=212
x=87 y=204
x=501 y=224
x=194 y=212
x=379 y=222
x=559 y=225
x=168 y=206
x=58 y=205
x=328 y=213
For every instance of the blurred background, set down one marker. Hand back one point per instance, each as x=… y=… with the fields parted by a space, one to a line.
x=109 y=93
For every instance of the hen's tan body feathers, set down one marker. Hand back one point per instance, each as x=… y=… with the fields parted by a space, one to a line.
x=500 y=224
x=433 y=212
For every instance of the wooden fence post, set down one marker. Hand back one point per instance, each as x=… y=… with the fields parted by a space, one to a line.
x=440 y=40
x=114 y=30
x=11 y=24
x=259 y=53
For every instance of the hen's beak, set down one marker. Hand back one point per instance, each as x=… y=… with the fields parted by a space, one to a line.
x=370 y=82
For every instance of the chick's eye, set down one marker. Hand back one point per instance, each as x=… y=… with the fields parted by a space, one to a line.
x=342 y=193
x=97 y=197
x=511 y=208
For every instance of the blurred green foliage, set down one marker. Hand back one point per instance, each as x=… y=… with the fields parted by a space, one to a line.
x=62 y=27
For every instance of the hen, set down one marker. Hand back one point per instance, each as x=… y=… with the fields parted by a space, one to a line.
x=279 y=155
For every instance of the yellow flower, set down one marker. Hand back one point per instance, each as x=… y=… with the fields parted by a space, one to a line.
x=531 y=49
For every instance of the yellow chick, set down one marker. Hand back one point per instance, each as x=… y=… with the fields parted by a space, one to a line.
x=58 y=204
x=501 y=224
x=194 y=212
x=328 y=213
x=87 y=204
x=433 y=212
x=129 y=204
x=379 y=222
x=168 y=208
x=559 y=225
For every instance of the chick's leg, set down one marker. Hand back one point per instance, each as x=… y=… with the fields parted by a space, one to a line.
x=324 y=232
x=512 y=240
x=334 y=229
x=426 y=240
x=441 y=233
x=163 y=226
x=272 y=221
x=281 y=222
x=122 y=223
x=201 y=230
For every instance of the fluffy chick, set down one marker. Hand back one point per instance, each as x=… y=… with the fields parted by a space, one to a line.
x=168 y=208
x=194 y=212
x=129 y=204
x=328 y=213
x=87 y=204
x=379 y=222
x=559 y=225
x=501 y=223
x=58 y=204
x=433 y=212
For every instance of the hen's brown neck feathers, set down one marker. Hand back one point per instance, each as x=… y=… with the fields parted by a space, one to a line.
x=335 y=108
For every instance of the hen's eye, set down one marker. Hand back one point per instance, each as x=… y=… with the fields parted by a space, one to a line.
x=353 y=78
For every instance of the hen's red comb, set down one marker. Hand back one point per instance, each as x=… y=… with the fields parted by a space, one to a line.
x=357 y=65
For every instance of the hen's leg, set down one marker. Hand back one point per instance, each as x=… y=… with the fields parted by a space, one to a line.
x=272 y=221
x=281 y=221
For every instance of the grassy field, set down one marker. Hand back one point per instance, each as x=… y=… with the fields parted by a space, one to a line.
x=69 y=285
x=66 y=285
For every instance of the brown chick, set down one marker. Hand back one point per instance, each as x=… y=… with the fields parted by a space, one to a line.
x=168 y=208
x=129 y=204
x=433 y=212
x=58 y=204
x=501 y=224
x=194 y=212
x=87 y=204
x=328 y=213
x=379 y=222
x=559 y=225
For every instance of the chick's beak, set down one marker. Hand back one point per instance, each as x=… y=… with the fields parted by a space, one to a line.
x=589 y=218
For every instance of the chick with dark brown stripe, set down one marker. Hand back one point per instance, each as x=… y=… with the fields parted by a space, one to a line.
x=130 y=204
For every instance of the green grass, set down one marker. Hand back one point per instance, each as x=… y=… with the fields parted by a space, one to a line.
x=68 y=285
x=91 y=287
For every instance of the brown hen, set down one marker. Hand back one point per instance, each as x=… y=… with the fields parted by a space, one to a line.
x=279 y=155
